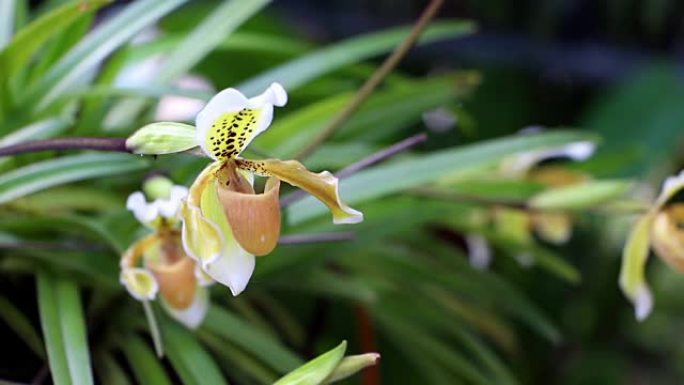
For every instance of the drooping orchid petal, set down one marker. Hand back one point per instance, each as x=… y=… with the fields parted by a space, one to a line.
x=230 y=121
x=323 y=185
x=632 y=272
x=201 y=238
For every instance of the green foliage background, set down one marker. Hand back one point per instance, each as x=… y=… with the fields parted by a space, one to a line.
x=405 y=280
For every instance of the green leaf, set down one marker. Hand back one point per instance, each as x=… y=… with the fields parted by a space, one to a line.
x=317 y=370
x=6 y=21
x=90 y=52
x=63 y=325
x=392 y=109
x=18 y=322
x=42 y=129
x=306 y=68
x=204 y=38
x=192 y=362
x=146 y=366
x=109 y=371
x=580 y=196
x=401 y=175
x=239 y=360
x=263 y=345
x=33 y=37
x=67 y=169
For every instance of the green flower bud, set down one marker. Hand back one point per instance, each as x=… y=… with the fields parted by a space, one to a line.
x=162 y=138
x=157 y=187
x=351 y=365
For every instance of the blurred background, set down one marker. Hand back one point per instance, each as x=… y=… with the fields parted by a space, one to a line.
x=406 y=286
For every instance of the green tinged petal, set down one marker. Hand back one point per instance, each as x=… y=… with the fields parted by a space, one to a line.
x=202 y=239
x=632 y=273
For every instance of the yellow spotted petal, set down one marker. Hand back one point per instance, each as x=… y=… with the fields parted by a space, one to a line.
x=230 y=121
x=231 y=133
x=632 y=273
x=323 y=186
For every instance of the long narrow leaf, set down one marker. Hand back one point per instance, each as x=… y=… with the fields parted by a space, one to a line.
x=208 y=35
x=50 y=173
x=387 y=179
x=264 y=346
x=64 y=328
x=31 y=39
x=16 y=320
x=6 y=21
x=191 y=361
x=146 y=366
x=96 y=47
x=305 y=68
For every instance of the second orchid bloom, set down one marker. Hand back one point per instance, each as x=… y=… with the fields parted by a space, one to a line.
x=226 y=223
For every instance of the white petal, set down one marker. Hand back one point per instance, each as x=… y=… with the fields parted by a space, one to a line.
x=671 y=186
x=193 y=315
x=264 y=121
x=274 y=95
x=143 y=211
x=168 y=208
x=232 y=269
x=203 y=279
x=643 y=303
x=579 y=151
x=479 y=253
x=227 y=101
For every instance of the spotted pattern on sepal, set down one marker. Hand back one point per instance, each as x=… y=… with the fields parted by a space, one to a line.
x=231 y=133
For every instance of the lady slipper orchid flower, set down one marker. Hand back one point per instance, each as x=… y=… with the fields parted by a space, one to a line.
x=226 y=223
x=157 y=265
x=660 y=229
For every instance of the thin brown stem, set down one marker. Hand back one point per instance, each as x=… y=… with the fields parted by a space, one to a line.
x=374 y=158
x=58 y=144
x=297 y=239
x=369 y=86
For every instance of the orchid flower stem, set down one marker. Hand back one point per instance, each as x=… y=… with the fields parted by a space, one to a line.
x=99 y=144
x=372 y=83
x=154 y=328
x=381 y=155
x=297 y=239
x=368 y=161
